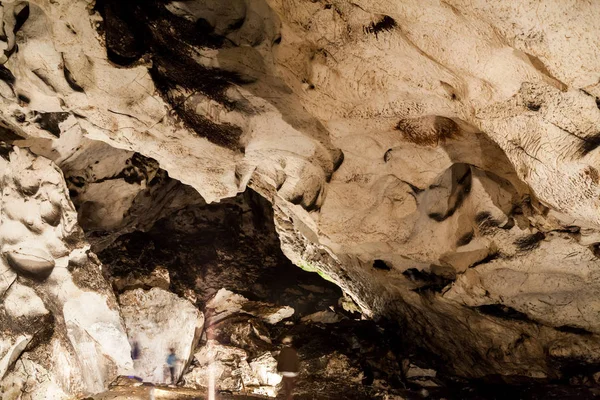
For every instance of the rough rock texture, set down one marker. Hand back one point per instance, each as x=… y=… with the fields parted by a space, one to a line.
x=231 y=370
x=159 y=320
x=226 y=303
x=61 y=332
x=436 y=160
x=206 y=247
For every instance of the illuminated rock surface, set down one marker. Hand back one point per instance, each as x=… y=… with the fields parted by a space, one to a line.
x=438 y=161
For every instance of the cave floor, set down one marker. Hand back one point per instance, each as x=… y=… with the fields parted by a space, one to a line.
x=145 y=393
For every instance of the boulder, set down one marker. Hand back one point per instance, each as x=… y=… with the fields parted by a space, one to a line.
x=322 y=317
x=159 y=320
x=33 y=262
x=243 y=331
x=231 y=370
x=227 y=365
x=226 y=303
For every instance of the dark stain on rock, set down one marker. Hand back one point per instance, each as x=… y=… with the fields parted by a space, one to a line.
x=428 y=131
x=533 y=106
x=6 y=75
x=19 y=116
x=123 y=32
x=490 y=257
x=77 y=181
x=385 y=24
x=338 y=159
x=465 y=239
x=592 y=173
x=485 y=222
x=173 y=68
x=589 y=144
x=571 y=229
x=21 y=17
x=437 y=217
x=529 y=242
x=382 y=265
x=502 y=311
x=71 y=81
x=415 y=189
x=23 y=99
x=574 y=329
x=445 y=128
x=137 y=170
x=49 y=121
x=429 y=281
x=225 y=135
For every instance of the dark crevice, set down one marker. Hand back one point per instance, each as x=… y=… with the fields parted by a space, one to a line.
x=382 y=265
x=24 y=99
x=70 y=80
x=502 y=311
x=595 y=248
x=49 y=121
x=465 y=239
x=5 y=150
x=490 y=257
x=461 y=187
x=415 y=189
x=429 y=282
x=6 y=75
x=387 y=155
x=8 y=135
x=573 y=329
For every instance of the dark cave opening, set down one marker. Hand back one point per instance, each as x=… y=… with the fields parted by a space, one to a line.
x=233 y=244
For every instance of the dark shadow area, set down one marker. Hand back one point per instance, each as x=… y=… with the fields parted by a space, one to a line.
x=232 y=244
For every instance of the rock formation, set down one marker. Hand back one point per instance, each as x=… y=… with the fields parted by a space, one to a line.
x=62 y=333
x=438 y=161
x=158 y=321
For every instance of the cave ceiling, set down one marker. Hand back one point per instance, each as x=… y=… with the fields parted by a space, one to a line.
x=437 y=160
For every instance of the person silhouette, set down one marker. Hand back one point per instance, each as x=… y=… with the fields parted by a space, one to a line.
x=288 y=365
x=135 y=355
x=172 y=363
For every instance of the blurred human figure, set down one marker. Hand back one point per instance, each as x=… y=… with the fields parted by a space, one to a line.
x=172 y=363
x=288 y=365
x=135 y=352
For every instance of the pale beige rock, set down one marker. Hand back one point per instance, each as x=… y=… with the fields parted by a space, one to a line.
x=459 y=122
x=159 y=320
x=226 y=303
x=232 y=371
x=53 y=293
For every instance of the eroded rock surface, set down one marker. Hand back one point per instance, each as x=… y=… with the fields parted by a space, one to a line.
x=62 y=333
x=438 y=161
x=159 y=320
